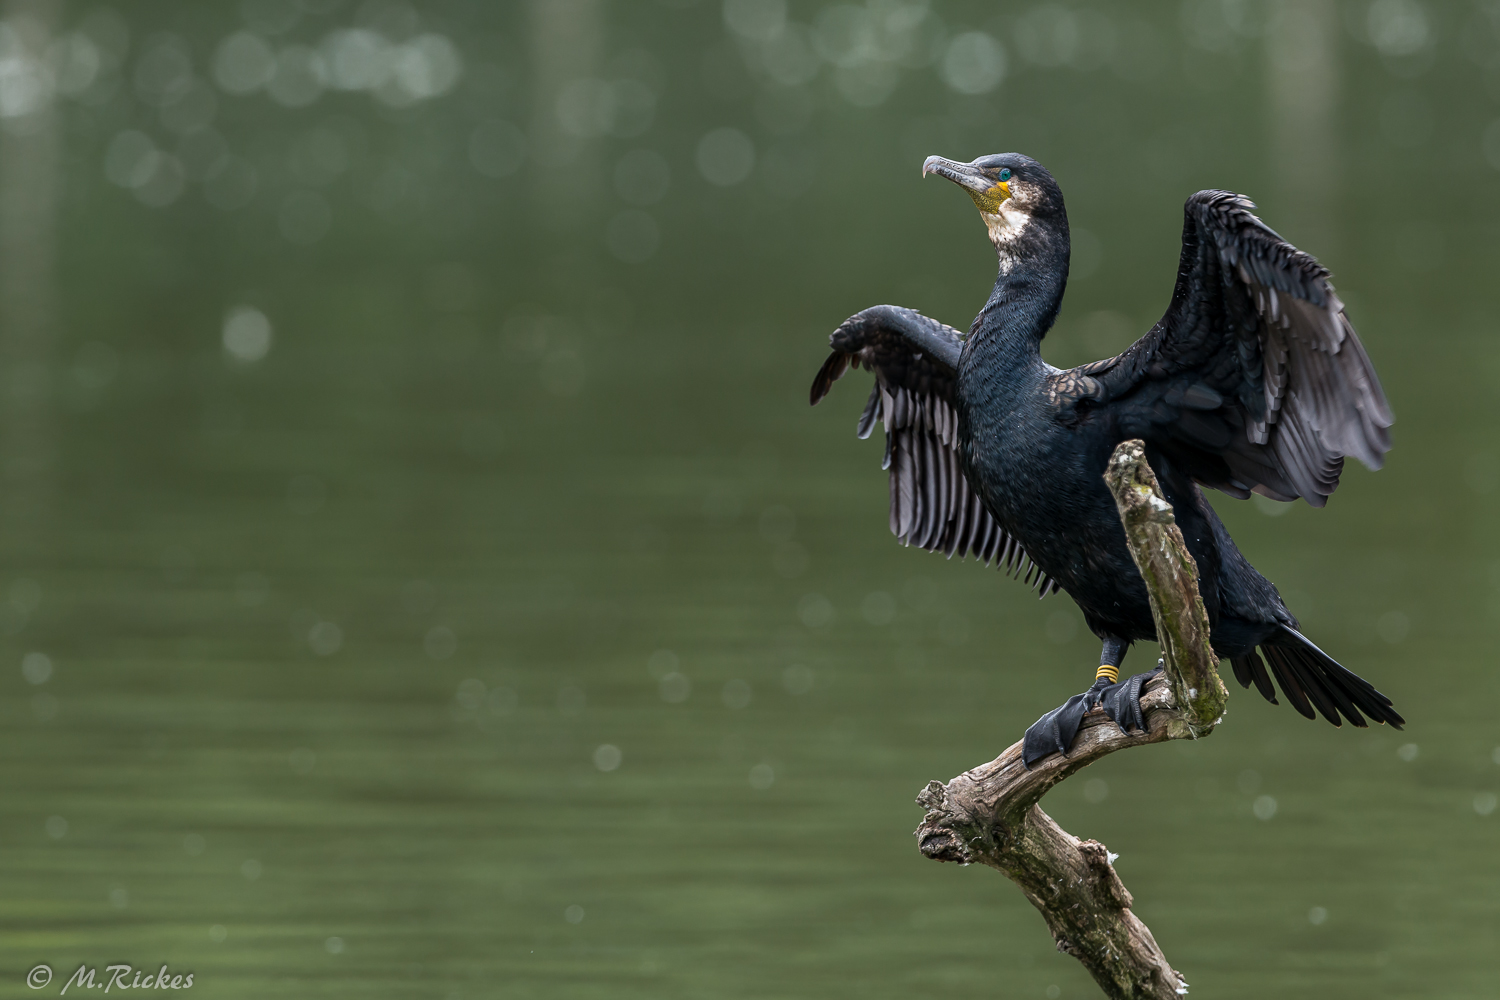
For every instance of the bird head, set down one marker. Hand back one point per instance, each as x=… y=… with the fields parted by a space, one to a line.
x=1009 y=189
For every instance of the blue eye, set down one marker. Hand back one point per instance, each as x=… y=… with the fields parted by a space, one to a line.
x=1005 y=174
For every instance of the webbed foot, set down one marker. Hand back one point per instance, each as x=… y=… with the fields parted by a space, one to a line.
x=1055 y=731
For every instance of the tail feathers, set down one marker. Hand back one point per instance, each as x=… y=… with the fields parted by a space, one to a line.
x=1311 y=679
x=1249 y=667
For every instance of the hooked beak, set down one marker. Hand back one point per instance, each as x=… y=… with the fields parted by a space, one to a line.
x=984 y=189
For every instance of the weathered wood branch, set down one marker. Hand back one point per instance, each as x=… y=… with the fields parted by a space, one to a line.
x=1171 y=578
x=990 y=814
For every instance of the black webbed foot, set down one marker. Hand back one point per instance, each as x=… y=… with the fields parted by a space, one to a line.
x=1055 y=731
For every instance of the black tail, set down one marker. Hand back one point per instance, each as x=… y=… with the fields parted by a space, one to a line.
x=1311 y=678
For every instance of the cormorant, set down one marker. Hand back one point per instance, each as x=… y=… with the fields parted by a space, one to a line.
x=1252 y=381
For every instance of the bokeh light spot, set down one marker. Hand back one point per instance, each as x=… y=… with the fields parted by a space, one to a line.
x=607 y=757
x=164 y=71
x=675 y=688
x=325 y=638
x=815 y=610
x=756 y=20
x=725 y=156
x=299 y=77
x=243 y=63
x=470 y=694
x=440 y=642
x=36 y=667
x=246 y=334
x=974 y=63
x=736 y=694
x=423 y=68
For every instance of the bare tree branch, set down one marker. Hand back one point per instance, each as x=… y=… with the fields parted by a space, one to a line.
x=1171 y=578
x=990 y=814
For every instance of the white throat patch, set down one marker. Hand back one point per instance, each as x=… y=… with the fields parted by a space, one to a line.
x=1005 y=228
x=1007 y=225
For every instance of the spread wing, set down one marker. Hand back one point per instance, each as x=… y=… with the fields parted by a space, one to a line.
x=914 y=360
x=1254 y=378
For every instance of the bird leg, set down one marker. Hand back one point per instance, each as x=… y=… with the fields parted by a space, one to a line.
x=1121 y=701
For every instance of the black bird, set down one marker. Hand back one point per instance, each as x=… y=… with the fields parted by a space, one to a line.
x=1252 y=381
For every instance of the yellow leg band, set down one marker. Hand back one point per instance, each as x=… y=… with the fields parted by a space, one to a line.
x=1105 y=670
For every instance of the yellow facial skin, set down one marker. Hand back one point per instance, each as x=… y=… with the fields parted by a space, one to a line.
x=989 y=199
x=1004 y=218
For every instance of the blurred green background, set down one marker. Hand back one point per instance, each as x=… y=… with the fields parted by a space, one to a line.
x=423 y=575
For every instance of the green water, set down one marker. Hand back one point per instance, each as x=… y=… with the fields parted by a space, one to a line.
x=512 y=628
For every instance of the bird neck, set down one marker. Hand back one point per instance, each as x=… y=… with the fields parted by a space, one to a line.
x=1023 y=305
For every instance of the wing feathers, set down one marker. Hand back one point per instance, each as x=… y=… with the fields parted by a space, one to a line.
x=1254 y=370
x=913 y=359
x=868 y=417
x=1320 y=389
